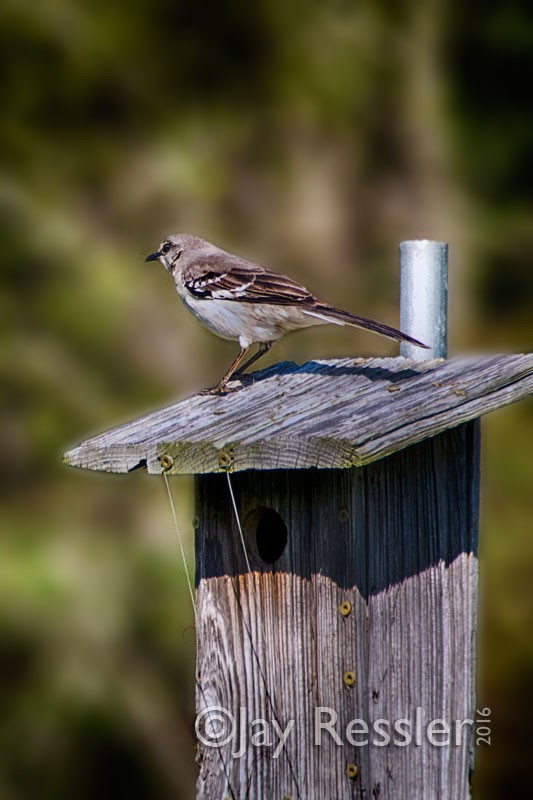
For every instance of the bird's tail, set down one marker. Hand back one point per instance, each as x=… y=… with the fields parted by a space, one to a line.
x=338 y=317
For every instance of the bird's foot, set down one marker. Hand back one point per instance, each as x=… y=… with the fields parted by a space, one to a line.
x=214 y=390
x=222 y=389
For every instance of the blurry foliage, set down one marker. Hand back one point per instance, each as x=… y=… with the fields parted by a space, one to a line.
x=312 y=136
x=491 y=53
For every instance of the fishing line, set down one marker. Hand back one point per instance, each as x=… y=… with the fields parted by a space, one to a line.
x=239 y=526
x=180 y=542
x=248 y=630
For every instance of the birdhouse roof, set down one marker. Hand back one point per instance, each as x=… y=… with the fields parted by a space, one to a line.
x=322 y=414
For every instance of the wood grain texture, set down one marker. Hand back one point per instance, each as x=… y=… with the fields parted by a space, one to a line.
x=398 y=540
x=325 y=414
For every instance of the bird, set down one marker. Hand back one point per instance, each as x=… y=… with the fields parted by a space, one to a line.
x=242 y=301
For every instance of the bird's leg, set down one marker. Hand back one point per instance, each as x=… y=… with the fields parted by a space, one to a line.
x=264 y=347
x=220 y=388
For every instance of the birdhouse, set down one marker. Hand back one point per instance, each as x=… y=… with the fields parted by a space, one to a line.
x=336 y=649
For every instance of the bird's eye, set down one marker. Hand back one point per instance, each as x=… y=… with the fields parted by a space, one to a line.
x=166 y=247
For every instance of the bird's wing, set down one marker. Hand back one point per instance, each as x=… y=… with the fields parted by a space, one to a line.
x=219 y=278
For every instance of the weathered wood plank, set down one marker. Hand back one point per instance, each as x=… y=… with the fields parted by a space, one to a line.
x=322 y=414
x=398 y=540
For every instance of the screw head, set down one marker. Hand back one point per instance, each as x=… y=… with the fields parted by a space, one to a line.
x=344 y=515
x=349 y=678
x=345 y=608
x=351 y=771
x=166 y=461
x=225 y=460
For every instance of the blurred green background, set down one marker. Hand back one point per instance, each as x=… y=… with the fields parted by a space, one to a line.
x=313 y=137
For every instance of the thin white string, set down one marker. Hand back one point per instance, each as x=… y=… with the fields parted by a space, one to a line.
x=270 y=697
x=191 y=592
x=180 y=542
x=239 y=526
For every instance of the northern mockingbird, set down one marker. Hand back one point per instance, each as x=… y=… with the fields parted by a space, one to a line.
x=241 y=301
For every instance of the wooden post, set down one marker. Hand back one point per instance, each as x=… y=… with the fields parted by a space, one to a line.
x=367 y=613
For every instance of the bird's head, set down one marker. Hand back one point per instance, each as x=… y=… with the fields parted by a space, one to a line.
x=175 y=247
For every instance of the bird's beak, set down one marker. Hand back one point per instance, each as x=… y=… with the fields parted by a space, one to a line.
x=152 y=257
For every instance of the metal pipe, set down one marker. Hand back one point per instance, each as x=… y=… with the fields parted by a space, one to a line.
x=423 y=297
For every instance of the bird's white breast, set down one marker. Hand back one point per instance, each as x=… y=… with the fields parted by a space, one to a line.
x=246 y=323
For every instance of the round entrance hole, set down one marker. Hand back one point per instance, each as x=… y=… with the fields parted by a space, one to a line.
x=269 y=532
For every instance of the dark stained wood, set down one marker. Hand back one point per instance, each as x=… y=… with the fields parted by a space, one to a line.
x=398 y=540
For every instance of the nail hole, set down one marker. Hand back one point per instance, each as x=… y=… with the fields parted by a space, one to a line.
x=269 y=533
